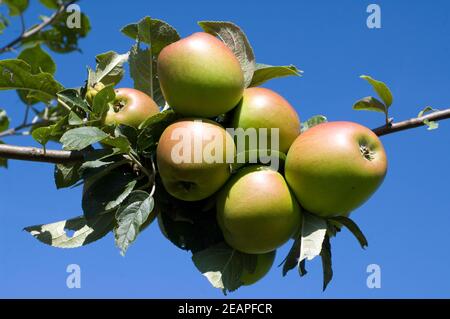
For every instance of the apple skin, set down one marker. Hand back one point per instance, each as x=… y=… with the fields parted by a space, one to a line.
x=328 y=172
x=264 y=108
x=256 y=211
x=194 y=181
x=132 y=107
x=200 y=76
x=263 y=264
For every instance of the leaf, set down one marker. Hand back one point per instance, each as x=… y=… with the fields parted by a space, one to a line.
x=86 y=231
x=17 y=75
x=72 y=99
x=66 y=175
x=237 y=41
x=153 y=127
x=119 y=142
x=223 y=266
x=4 y=22
x=16 y=7
x=432 y=125
x=102 y=100
x=353 y=228
x=50 y=4
x=38 y=59
x=265 y=72
x=154 y=32
x=326 y=262
x=370 y=103
x=63 y=34
x=74 y=119
x=109 y=68
x=79 y=138
x=313 y=121
x=381 y=88
x=291 y=260
x=313 y=233
x=4 y=120
x=97 y=198
x=130 y=216
x=42 y=134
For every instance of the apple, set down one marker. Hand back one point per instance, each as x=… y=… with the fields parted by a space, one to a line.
x=256 y=211
x=335 y=167
x=194 y=157
x=200 y=76
x=93 y=90
x=263 y=264
x=264 y=108
x=131 y=108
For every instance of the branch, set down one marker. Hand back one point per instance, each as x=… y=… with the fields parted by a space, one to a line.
x=411 y=123
x=36 y=29
x=38 y=154
x=55 y=156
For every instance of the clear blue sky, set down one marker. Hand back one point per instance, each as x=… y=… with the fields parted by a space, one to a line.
x=406 y=221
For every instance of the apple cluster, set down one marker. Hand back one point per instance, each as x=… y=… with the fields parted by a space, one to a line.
x=330 y=169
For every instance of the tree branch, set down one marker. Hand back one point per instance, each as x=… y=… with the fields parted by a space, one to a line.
x=36 y=29
x=39 y=155
x=411 y=123
x=55 y=156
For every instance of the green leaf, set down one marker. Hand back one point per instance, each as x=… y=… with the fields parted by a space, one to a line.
x=62 y=36
x=17 y=75
x=130 y=216
x=16 y=7
x=370 y=103
x=313 y=234
x=313 y=121
x=97 y=198
x=85 y=231
x=155 y=33
x=382 y=90
x=74 y=119
x=119 y=142
x=103 y=99
x=4 y=22
x=42 y=134
x=265 y=72
x=142 y=71
x=79 y=138
x=109 y=68
x=326 y=262
x=223 y=266
x=153 y=127
x=291 y=260
x=4 y=120
x=431 y=125
x=72 y=99
x=50 y=4
x=38 y=59
x=237 y=41
x=66 y=175
x=353 y=228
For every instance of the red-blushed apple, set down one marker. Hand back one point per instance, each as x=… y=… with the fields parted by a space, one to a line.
x=256 y=210
x=263 y=264
x=194 y=158
x=262 y=108
x=334 y=167
x=131 y=107
x=200 y=76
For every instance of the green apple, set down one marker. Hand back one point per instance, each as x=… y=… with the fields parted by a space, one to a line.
x=200 y=76
x=131 y=107
x=93 y=90
x=256 y=211
x=194 y=158
x=263 y=264
x=263 y=108
x=335 y=167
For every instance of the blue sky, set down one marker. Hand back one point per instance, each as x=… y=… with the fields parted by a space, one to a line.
x=406 y=221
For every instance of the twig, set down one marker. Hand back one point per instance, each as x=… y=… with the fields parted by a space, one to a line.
x=36 y=29
x=411 y=123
